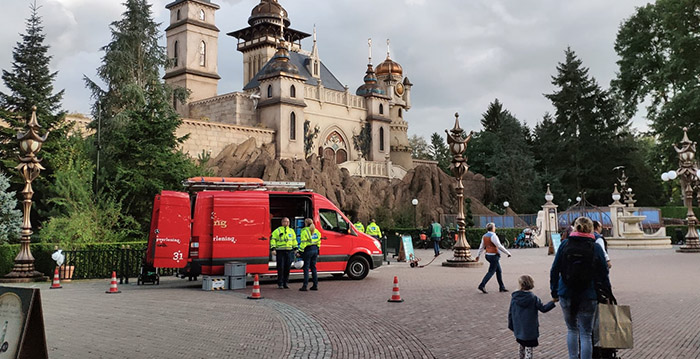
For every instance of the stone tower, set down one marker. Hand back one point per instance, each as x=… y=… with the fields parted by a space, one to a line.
x=192 y=45
x=258 y=42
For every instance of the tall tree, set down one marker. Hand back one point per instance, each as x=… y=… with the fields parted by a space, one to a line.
x=30 y=83
x=419 y=147
x=139 y=145
x=10 y=216
x=659 y=50
x=440 y=152
x=586 y=137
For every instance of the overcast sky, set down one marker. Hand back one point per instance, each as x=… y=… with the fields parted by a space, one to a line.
x=459 y=54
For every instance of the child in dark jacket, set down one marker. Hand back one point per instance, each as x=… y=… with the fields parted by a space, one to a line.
x=522 y=316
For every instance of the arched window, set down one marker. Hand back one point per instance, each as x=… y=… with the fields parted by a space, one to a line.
x=269 y=90
x=201 y=15
x=292 y=91
x=176 y=51
x=381 y=138
x=381 y=109
x=400 y=113
x=178 y=15
x=293 y=126
x=202 y=54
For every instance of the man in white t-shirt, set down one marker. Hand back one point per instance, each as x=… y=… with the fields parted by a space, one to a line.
x=492 y=245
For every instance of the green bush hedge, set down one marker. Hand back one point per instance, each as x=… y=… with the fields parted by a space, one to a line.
x=473 y=234
x=677 y=212
x=675 y=235
x=42 y=254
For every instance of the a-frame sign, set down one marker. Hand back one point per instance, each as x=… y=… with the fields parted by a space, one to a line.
x=22 y=332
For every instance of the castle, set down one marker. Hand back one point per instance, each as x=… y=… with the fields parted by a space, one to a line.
x=287 y=94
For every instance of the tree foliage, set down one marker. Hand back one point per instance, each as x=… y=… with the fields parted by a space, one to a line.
x=309 y=137
x=139 y=145
x=440 y=152
x=419 y=147
x=659 y=50
x=10 y=216
x=363 y=140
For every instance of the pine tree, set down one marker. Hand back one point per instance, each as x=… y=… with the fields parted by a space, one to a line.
x=440 y=152
x=584 y=140
x=30 y=83
x=10 y=216
x=139 y=145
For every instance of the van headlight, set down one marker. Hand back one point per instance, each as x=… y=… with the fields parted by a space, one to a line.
x=379 y=245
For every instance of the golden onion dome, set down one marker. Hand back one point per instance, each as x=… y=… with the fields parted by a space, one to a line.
x=389 y=67
x=268 y=9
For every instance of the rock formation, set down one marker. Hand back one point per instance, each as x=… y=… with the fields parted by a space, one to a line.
x=363 y=197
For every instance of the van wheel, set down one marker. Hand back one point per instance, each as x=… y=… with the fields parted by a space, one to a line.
x=358 y=268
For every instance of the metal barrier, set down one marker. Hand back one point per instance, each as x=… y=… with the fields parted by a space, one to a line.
x=99 y=263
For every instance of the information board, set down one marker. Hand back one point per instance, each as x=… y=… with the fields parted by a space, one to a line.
x=408 y=247
x=22 y=324
x=556 y=241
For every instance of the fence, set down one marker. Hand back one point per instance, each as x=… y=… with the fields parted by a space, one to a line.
x=99 y=263
x=519 y=221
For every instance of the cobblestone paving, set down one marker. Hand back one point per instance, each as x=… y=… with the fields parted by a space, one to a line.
x=443 y=315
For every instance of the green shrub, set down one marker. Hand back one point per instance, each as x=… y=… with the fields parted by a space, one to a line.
x=473 y=234
x=679 y=212
x=677 y=233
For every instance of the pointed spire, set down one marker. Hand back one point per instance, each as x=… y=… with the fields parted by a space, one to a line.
x=388 y=49
x=314 y=49
x=369 y=44
x=685 y=136
x=314 y=34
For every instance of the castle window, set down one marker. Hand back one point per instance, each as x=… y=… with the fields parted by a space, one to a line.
x=269 y=91
x=315 y=68
x=176 y=52
x=292 y=91
x=201 y=15
x=293 y=126
x=202 y=54
x=381 y=138
x=381 y=109
x=400 y=113
x=178 y=15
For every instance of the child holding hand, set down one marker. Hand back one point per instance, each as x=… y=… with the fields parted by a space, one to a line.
x=522 y=316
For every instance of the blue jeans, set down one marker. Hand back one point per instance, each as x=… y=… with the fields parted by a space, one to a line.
x=579 y=327
x=284 y=265
x=436 y=245
x=310 y=258
x=494 y=267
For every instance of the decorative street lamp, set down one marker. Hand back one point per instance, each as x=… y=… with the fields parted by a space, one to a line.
x=457 y=143
x=414 y=202
x=550 y=223
x=690 y=184
x=506 y=204
x=29 y=144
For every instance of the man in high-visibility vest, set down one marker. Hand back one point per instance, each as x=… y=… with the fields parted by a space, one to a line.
x=283 y=242
x=310 y=244
x=359 y=226
x=373 y=230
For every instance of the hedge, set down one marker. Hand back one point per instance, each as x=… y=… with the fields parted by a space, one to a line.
x=42 y=254
x=473 y=234
x=677 y=233
x=679 y=212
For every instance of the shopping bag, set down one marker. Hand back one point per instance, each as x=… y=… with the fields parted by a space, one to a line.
x=613 y=327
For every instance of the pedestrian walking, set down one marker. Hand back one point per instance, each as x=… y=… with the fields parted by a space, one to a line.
x=493 y=248
x=436 y=235
x=600 y=240
x=310 y=245
x=283 y=243
x=578 y=265
x=522 y=316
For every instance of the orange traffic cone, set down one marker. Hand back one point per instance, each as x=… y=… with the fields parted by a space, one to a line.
x=113 y=286
x=256 y=289
x=395 y=295
x=56 y=284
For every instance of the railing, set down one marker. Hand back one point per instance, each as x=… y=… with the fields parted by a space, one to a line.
x=383 y=169
x=91 y=264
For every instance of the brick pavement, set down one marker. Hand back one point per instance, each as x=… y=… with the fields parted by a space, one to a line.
x=443 y=315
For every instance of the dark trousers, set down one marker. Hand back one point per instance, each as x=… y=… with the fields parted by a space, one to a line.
x=284 y=264
x=310 y=258
x=494 y=267
x=436 y=245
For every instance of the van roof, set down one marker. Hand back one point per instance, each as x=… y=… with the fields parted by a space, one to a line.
x=239 y=184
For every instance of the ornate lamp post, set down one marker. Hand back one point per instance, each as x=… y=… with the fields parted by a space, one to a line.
x=414 y=202
x=690 y=183
x=29 y=144
x=550 y=223
x=457 y=142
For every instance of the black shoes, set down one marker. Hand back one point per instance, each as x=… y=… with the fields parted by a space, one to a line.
x=503 y=290
x=314 y=288
x=482 y=290
x=280 y=287
x=286 y=286
x=303 y=289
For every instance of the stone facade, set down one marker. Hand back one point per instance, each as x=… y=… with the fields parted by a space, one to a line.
x=284 y=87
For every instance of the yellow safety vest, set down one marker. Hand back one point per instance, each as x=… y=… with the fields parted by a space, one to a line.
x=283 y=238
x=373 y=230
x=310 y=239
x=359 y=227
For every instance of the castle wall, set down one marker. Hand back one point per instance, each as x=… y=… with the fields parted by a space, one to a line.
x=212 y=137
x=234 y=108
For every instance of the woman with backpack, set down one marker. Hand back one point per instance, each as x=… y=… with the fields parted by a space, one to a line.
x=578 y=265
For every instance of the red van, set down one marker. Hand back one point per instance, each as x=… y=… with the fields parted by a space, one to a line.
x=222 y=220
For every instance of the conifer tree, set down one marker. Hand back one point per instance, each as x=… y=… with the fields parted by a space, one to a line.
x=10 y=216
x=440 y=152
x=138 y=121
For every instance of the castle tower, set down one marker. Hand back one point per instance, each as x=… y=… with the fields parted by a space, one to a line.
x=398 y=89
x=258 y=42
x=192 y=45
x=378 y=110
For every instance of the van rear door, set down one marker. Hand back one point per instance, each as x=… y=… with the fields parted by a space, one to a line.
x=170 y=230
x=241 y=230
